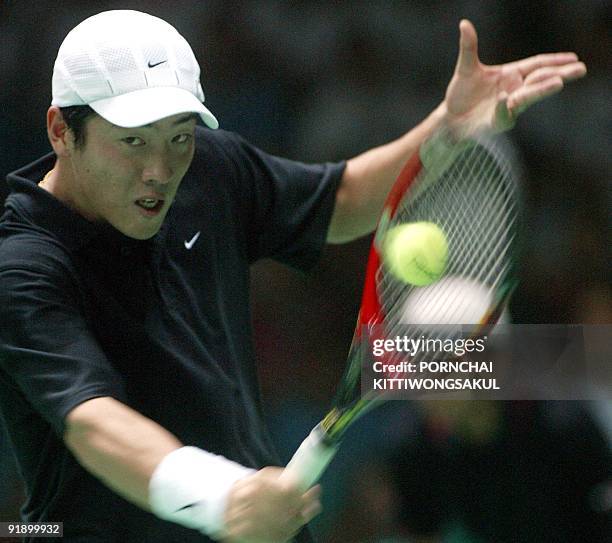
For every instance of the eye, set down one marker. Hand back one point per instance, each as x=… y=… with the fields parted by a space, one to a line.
x=182 y=138
x=134 y=141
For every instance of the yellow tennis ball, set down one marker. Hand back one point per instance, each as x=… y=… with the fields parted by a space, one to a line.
x=415 y=252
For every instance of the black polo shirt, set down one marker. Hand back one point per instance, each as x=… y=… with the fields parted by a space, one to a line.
x=162 y=325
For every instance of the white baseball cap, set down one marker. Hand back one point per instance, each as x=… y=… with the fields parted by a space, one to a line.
x=131 y=68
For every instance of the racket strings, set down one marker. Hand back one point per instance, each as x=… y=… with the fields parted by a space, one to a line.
x=474 y=202
x=449 y=203
x=427 y=206
x=492 y=262
x=473 y=206
x=451 y=209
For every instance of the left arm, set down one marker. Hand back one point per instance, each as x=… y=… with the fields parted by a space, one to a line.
x=478 y=97
x=368 y=177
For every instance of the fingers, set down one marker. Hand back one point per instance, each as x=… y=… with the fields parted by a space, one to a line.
x=504 y=118
x=527 y=65
x=543 y=75
x=527 y=95
x=311 y=506
x=266 y=507
x=305 y=506
x=509 y=107
x=468 y=48
x=567 y=72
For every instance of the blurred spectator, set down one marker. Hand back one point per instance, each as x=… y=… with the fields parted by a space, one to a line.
x=505 y=472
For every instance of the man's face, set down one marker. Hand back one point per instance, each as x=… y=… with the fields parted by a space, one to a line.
x=128 y=177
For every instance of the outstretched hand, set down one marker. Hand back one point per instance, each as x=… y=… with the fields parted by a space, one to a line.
x=481 y=97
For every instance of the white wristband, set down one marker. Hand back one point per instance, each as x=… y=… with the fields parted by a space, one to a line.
x=190 y=487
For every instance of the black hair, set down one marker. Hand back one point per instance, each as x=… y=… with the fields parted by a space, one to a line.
x=75 y=118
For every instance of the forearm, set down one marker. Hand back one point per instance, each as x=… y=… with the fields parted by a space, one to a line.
x=147 y=465
x=368 y=178
x=118 y=445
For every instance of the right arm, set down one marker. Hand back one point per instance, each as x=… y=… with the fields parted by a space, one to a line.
x=118 y=445
x=125 y=450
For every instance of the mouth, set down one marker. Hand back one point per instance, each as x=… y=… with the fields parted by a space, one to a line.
x=150 y=207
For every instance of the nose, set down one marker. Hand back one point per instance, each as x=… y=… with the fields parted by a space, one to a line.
x=158 y=171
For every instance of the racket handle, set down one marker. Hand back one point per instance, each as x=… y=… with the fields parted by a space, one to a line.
x=311 y=459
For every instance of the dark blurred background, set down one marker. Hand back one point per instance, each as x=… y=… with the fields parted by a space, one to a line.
x=319 y=81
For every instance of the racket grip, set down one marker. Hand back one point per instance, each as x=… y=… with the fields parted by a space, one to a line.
x=311 y=459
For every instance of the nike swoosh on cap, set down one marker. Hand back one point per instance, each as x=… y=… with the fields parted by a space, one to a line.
x=152 y=65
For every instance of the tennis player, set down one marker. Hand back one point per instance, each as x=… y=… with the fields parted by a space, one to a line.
x=127 y=380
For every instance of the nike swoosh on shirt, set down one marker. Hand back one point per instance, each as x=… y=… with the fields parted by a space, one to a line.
x=189 y=244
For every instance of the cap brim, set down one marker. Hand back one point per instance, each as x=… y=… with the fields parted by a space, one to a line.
x=147 y=106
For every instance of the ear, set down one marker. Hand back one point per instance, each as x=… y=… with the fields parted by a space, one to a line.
x=61 y=138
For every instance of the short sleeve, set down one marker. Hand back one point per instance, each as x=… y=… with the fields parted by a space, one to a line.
x=46 y=348
x=285 y=206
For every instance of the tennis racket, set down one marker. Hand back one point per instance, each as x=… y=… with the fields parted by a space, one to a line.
x=469 y=189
